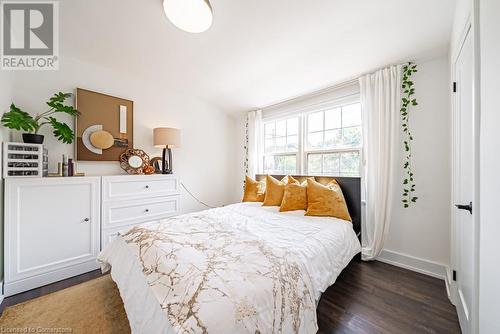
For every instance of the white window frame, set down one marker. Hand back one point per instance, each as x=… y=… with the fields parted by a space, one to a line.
x=307 y=152
x=297 y=154
x=302 y=152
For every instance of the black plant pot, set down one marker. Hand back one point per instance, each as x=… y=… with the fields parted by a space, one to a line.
x=32 y=138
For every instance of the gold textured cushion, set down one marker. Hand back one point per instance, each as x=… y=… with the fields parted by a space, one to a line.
x=275 y=190
x=326 y=200
x=254 y=190
x=294 y=197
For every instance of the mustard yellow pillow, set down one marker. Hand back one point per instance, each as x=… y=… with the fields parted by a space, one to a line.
x=275 y=190
x=326 y=200
x=294 y=197
x=254 y=190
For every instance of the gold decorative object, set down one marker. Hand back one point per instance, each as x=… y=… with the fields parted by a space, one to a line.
x=148 y=170
x=102 y=139
x=133 y=161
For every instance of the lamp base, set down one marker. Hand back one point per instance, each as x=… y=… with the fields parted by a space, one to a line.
x=166 y=164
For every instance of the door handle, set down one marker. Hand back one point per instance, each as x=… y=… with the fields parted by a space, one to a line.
x=467 y=207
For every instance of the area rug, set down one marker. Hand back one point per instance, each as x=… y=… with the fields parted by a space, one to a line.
x=91 y=307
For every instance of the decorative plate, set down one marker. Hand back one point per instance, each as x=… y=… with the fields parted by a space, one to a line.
x=133 y=161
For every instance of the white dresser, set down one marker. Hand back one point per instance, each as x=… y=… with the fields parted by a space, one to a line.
x=131 y=199
x=55 y=227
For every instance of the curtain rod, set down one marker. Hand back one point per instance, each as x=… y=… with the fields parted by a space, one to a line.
x=311 y=94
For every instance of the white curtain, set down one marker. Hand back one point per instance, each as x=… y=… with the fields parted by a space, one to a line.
x=380 y=101
x=254 y=143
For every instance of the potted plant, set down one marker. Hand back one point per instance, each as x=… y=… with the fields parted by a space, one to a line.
x=21 y=120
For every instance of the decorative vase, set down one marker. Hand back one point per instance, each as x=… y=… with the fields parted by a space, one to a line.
x=32 y=138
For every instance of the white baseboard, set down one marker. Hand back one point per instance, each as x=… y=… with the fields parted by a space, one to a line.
x=416 y=264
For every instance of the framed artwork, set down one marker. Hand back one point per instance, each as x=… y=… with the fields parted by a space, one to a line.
x=105 y=126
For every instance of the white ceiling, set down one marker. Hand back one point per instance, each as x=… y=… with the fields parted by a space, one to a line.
x=258 y=51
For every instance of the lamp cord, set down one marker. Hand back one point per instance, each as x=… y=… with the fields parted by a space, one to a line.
x=196 y=198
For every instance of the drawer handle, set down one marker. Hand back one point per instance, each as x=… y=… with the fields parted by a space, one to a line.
x=147 y=210
x=147 y=187
x=86 y=220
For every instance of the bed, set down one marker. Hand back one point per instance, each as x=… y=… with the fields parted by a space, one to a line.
x=242 y=268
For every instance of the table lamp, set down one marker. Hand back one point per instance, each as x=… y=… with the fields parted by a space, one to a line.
x=167 y=138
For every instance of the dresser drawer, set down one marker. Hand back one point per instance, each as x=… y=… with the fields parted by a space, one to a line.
x=136 y=211
x=132 y=187
x=110 y=234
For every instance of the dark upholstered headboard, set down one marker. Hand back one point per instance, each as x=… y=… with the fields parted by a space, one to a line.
x=351 y=188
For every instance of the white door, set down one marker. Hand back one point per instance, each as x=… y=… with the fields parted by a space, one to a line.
x=464 y=245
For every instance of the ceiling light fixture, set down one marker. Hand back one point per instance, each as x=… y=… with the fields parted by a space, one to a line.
x=193 y=16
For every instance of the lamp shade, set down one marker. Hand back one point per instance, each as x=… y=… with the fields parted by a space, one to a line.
x=167 y=137
x=193 y=16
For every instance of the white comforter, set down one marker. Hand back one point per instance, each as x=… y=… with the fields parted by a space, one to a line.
x=238 y=269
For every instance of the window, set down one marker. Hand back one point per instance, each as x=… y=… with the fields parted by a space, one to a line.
x=281 y=146
x=326 y=142
x=334 y=141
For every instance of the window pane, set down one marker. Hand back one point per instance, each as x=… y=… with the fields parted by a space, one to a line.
x=351 y=115
x=268 y=164
x=281 y=129
x=280 y=144
x=315 y=122
x=333 y=138
x=315 y=140
x=349 y=164
x=352 y=136
x=292 y=143
x=333 y=119
x=314 y=164
x=290 y=164
x=328 y=136
x=292 y=126
x=279 y=164
x=269 y=145
x=269 y=130
x=331 y=164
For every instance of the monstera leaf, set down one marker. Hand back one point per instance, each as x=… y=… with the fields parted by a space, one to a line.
x=19 y=120
x=56 y=102
x=58 y=98
x=62 y=131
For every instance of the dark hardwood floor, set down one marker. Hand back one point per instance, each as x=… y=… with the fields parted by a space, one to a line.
x=368 y=297
x=374 y=297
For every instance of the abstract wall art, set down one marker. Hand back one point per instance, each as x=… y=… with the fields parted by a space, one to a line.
x=105 y=126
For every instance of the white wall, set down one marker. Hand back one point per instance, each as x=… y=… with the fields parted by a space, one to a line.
x=202 y=163
x=5 y=101
x=422 y=231
x=489 y=273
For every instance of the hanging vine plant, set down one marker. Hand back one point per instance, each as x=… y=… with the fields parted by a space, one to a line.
x=408 y=100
